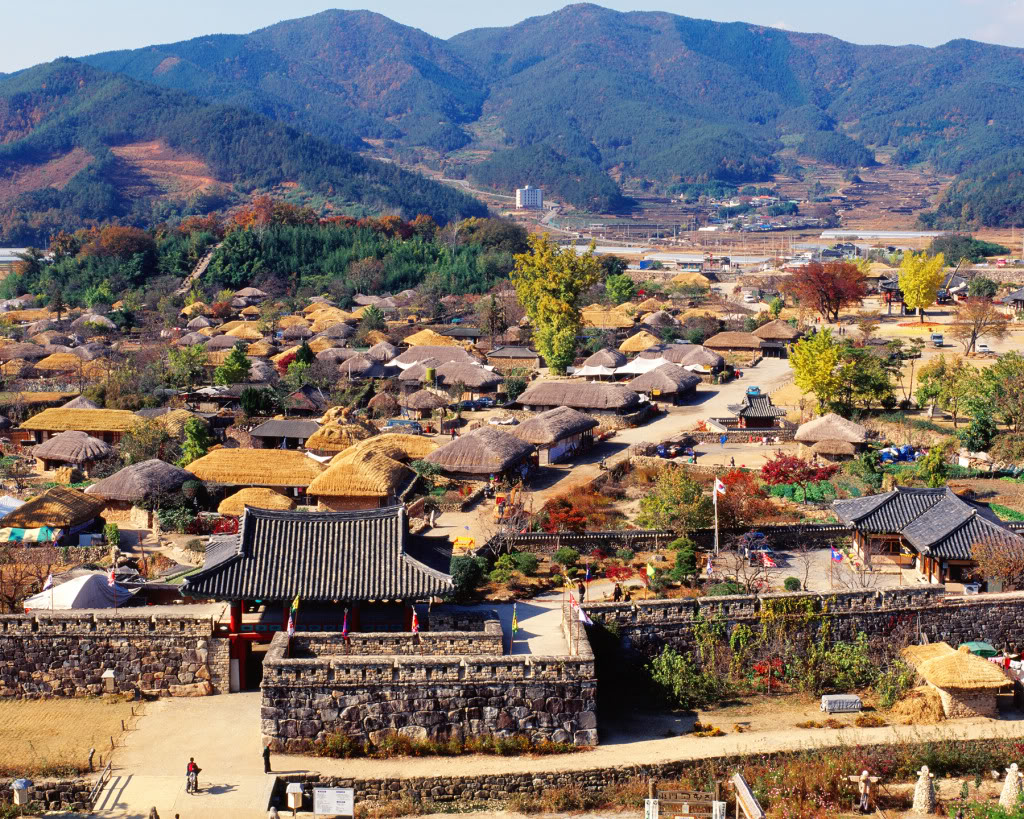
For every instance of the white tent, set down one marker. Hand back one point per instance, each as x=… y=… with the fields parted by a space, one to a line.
x=593 y=372
x=639 y=366
x=89 y=591
x=8 y=504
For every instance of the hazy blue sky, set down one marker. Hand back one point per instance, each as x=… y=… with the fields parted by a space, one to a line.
x=40 y=31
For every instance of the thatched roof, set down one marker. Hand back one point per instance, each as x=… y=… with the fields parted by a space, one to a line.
x=649 y=304
x=257 y=497
x=252 y=311
x=733 y=340
x=251 y=293
x=296 y=333
x=247 y=332
x=261 y=349
x=59 y=362
x=684 y=354
x=481 y=452
x=335 y=355
x=834 y=448
x=638 y=342
x=660 y=319
x=777 y=330
x=174 y=421
x=262 y=371
x=399 y=446
x=420 y=353
x=190 y=339
x=79 y=403
x=691 y=280
x=256 y=467
x=58 y=507
x=428 y=338
x=319 y=344
x=199 y=322
x=15 y=368
x=337 y=437
x=140 y=481
x=50 y=337
x=606 y=319
x=90 y=351
x=582 y=395
x=359 y=366
x=605 y=357
x=915 y=655
x=382 y=351
x=383 y=402
x=72 y=447
x=85 y=420
x=28 y=352
x=474 y=376
x=669 y=378
x=196 y=307
x=333 y=328
x=547 y=428
x=962 y=670
x=362 y=473
x=423 y=400
x=418 y=372
x=95 y=319
x=830 y=427
x=292 y=321
x=225 y=342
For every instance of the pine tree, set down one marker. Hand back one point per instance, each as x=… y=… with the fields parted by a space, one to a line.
x=235 y=368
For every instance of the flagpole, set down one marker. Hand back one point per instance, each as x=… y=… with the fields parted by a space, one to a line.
x=714 y=495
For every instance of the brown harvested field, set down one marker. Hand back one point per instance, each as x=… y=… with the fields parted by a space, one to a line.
x=41 y=735
x=172 y=172
x=53 y=174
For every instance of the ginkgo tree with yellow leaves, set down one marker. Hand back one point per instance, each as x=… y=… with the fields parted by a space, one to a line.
x=815 y=360
x=550 y=282
x=921 y=277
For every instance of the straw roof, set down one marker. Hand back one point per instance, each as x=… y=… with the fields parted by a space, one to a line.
x=359 y=366
x=669 y=378
x=257 y=497
x=607 y=319
x=261 y=349
x=72 y=447
x=547 y=428
x=247 y=332
x=777 y=330
x=84 y=420
x=140 y=481
x=639 y=342
x=337 y=437
x=650 y=304
x=733 y=340
x=225 y=342
x=474 y=376
x=429 y=338
x=915 y=655
x=256 y=467
x=418 y=372
x=28 y=352
x=196 y=307
x=481 y=452
x=59 y=507
x=252 y=311
x=962 y=670
x=318 y=345
x=691 y=280
x=190 y=339
x=174 y=421
x=81 y=402
x=384 y=403
x=277 y=359
x=382 y=351
x=605 y=357
x=292 y=321
x=37 y=314
x=362 y=473
x=251 y=293
x=199 y=322
x=297 y=332
x=830 y=427
x=91 y=351
x=59 y=362
x=94 y=319
x=50 y=337
x=334 y=355
x=582 y=395
x=399 y=446
x=834 y=448
x=331 y=328
x=15 y=368
x=660 y=319
x=420 y=353
x=262 y=371
x=231 y=325
x=423 y=400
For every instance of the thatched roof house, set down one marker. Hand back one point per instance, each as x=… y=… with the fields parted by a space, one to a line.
x=688 y=279
x=284 y=433
x=261 y=349
x=474 y=377
x=382 y=351
x=361 y=478
x=659 y=320
x=383 y=405
x=734 y=342
x=59 y=507
x=607 y=319
x=778 y=330
x=966 y=684
x=830 y=427
x=638 y=342
x=558 y=433
x=399 y=446
x=255 y=497
x=337 y=435
x=833 y=450
x=25 y=351
x=361 y=366
x=485 y=451
x=81 y=402
x=71 y=447
x=417 y=373
x=605 y=357
x=429 y=338
x=423 y=401
x=686 y=355
x=107 y=424
x=668 y=382
x=513 y=357
x=592 y=397
x=420 y=353
x=335 y=355
x=124 y=492
x=274 y=468
x=307 y=400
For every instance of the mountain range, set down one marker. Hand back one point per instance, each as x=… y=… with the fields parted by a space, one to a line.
x=586 y=102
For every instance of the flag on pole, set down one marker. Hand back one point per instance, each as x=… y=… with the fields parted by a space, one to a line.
x=291 y=626
x=766 y=560
x=110 y=577
x=719 y=487
x=837 y=556
x=415 y=622
x=49 y=582
x=515 y=620
x=650 y=571
x=585 y=619
x=587 y=578
x=295 y=605
x=710 y=568
x=572 y=601
x=344 y=626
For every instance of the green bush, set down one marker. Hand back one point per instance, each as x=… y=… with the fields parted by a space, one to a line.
x=625 y=553
x=567 y=557
x=679 y=684
x=791 y=584
x=1005 y=512
x=503 y=568
x=723 y=589
x=526 y=563
x=686 y=559
x=894 y=683
x=467 y=574
x=112 y=534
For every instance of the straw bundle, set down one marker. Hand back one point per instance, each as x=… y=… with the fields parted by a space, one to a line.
x=257 y=497
x=423 y=400
x=337 y=437
x=256 y=467
x=429 y=338
x=84 y=420
x=691 y=280
x=72 y=447
x=638 y=342
x=919 y=706
x=482 y=452
x=58 y=507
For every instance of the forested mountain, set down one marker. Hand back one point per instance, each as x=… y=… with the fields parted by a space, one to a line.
x=80 y=145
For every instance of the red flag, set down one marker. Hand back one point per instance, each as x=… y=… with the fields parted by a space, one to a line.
x=415 y=623
x=344 y=626
x=110 y=577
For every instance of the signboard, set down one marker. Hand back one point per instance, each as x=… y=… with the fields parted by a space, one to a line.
x=465 y=542
x=334 y=802
x=650 y=809
x=745 y=798
x=680 y=804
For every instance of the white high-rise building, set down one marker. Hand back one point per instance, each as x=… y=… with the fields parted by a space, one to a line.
x=529 y=197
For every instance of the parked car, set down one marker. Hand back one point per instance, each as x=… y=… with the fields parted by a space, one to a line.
x=467 y=406
x=404 y=425
x=486 y=402
x=983 y=349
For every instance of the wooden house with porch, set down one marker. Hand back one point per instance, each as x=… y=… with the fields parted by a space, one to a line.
x=107 y=425
x=756 y=411
x=354 y=571
x=934 y=530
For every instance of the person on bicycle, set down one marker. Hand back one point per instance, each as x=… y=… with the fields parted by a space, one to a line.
x=191 y=776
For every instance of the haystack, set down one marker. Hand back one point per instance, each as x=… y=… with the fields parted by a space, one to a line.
x=966 y=684
x=256 y=467
x=485 y=451
x=919 y=706
x=71 y=447
x=691 y=280
x=638 y=342
x=256 y=497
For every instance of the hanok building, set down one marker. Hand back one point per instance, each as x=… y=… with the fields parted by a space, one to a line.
x=284 y=433
x=355 y=571
x=558 y=434
x=937 y=527
x=592 y=397
x=733 y=341
x=107 y=425
x=756 y=411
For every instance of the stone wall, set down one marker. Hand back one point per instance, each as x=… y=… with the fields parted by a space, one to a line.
x=66 y=654
x=426 y=643
x=62 y=795
x=425 y=697
x=644 y=626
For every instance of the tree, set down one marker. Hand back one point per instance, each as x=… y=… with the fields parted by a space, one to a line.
x=186 y=365
x=1001 y=390
x=146 y=439
x=619 y=289
x=744 y=501
x=305 y=354
x=197 y=441
x=975 y=318
x=516 y=381
x=920 y=278
x=613 y=265
x=57 y=304
x=549 y=282
x=491 y=312
x=827 y=288
x=932 y=468
x=775 y=307
x=373 y=319
x=789 y=469
x=946 y=384
x=868 y=326
x=676 y=502
x=815 y=361
x=685 y=567
x=257 y=401
x=982 y=287
x=999 y=562
x=270 y=314
x=235 y=368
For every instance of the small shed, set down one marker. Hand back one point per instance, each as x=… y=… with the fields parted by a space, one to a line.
x=59 y=507
x=338 y=436
x=79 y=449
x=124 y=493
x=558 y=434
x=967 y=685
x=667 y=382
x=828 y=431
x=423 y=402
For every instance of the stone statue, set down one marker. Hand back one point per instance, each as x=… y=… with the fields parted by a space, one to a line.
x=924 y=792
x=1011 y=789
x=865 y=789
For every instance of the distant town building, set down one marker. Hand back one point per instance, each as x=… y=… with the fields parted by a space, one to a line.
x=529 y=197
x=9 y=255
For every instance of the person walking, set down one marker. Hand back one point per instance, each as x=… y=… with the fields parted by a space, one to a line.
x=266 y=758
x=617 y=593
x=732 y=463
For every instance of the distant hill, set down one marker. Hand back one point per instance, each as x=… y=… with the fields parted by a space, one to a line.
x=79 y=144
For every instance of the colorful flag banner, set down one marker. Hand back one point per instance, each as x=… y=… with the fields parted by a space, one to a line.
x=49 y=582
x=719 y=487
x=344 y=626
x=415 y=622
x=585 y=619
x=515 y=620
x=291 y=626
x=837 y=556
x=110 y=577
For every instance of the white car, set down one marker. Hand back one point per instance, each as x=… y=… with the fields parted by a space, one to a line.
x=982 y=349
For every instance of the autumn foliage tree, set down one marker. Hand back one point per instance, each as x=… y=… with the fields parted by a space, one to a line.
x=920 y=278
x=789 y=469
x=744 y=502
x=827 y=288
x=975 y=318
x=999 y=562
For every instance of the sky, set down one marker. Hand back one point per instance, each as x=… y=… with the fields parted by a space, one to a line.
x=41 y=31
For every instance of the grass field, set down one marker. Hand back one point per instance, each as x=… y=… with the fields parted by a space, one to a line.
x=44 y=737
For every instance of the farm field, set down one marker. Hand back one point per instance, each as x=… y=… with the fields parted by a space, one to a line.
x=39 y=736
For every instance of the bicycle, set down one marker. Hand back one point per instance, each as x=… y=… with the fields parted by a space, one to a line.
x=192 y=781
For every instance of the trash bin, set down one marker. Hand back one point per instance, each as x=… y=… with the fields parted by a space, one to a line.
x=294 y=793
x=20 y=788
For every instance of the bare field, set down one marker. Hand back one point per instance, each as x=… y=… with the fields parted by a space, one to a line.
x=39 y=735
x=53 y=174
x=170 y=171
